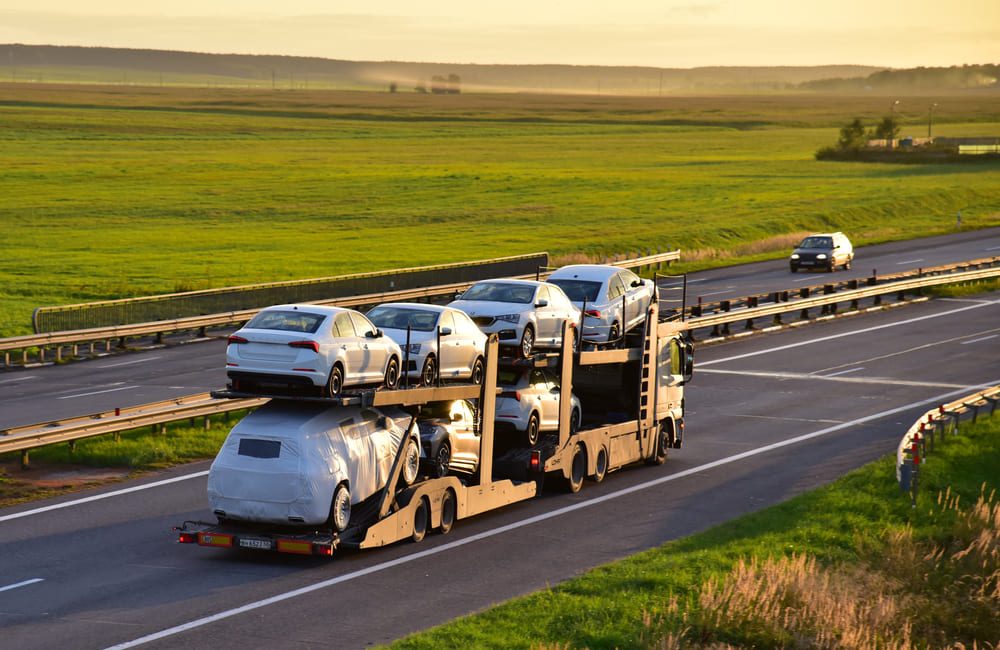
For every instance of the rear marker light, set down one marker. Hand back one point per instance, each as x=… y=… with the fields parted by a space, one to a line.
x=237 y=339
x=593 y=313
x=309 y=345
x=536 y=461
x=187 y=538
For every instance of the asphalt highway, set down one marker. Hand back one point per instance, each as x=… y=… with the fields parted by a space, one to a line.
x=768 y=417
x=46 y=393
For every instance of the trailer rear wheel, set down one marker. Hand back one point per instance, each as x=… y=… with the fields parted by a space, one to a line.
x=577 y=471
x=601 y=469
x=420 y=518
x=449 y=509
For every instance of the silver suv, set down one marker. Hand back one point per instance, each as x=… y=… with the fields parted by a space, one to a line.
x=825 y=251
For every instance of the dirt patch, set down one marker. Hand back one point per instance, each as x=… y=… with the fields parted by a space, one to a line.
x=41 y=481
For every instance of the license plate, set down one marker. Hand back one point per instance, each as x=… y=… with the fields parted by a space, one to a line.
x=250 y=542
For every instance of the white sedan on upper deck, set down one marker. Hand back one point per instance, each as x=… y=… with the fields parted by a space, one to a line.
x=614 y=299
x=524 y=313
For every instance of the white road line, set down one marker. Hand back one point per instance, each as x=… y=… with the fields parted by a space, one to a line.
x=97 y=392
x=843 y=372
x=24 y=378
x=961 y=300
x=993 y=248
x=706 y=279
x=714 y=293
x=772 y=417
x=882 y=381
x=910 y=261
x=99 y=497
x=347 y=577
x=822 y=339
x=805 y=279
x=984 y=338
x=128 y=363
x=22 y=584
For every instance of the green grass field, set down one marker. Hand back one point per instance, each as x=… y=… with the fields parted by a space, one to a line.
x=119 y=191
x=845 y=566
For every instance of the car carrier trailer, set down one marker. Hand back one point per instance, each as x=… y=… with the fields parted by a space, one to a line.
x=637 y=413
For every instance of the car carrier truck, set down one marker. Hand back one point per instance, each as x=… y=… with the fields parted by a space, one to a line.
x=633 y=411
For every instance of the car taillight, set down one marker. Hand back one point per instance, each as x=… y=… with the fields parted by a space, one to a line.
x=237 y=339
x=593 y=313
x=512 y=394
x=311 y=345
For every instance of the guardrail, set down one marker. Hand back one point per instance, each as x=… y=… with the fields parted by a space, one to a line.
x=828 y=300
x=106 y=335
x=24 y=438
x=920 y=438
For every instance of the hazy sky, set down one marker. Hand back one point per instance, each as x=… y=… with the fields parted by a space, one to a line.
x=664 y=33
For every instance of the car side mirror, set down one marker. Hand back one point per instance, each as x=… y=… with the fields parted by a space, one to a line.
x=636 y=283
x=373 y=334
x=456 y=417
x=458 y=295
x=542 y=303
x=445 y=331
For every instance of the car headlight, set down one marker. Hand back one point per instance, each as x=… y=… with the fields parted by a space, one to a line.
x=821 y=256
x=412 y=348
x=510 y=318
x=795 y=256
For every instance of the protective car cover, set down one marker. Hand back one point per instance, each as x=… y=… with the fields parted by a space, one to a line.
x=281 y=463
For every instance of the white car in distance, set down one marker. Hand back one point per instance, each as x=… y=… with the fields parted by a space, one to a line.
x=525 y=314
x=463 y=345
x=529 y=403
x=310 y=347
x=614 y=299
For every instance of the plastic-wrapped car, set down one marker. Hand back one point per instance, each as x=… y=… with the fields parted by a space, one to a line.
x=308 y=464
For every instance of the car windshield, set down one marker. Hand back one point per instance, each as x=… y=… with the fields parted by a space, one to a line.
x=578 y=290
x=420 y=320
x=500 y=292
x=817 y=242
x=287 y=321
x=436 y=411
x=509 y=377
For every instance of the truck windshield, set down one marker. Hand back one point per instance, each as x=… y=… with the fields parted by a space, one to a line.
x=500 y=292
x=579 y=290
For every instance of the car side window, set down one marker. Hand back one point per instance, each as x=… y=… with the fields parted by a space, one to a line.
x=538 y=380
x=628 y=278
x=342 y=327
x=465 y=323
x=362 y=324
x=543 y=294
x=558 y=297
x=446 y=320
x=551 y=381
x=615 y=287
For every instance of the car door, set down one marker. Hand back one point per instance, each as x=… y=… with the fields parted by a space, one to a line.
x=545 y=316
x=538 y=393
x=350 y=348
x=471 y=336
x=464 y=441
x=616 y=290
x=449 y=356
x=633 y=296
x=551 y=399
x=374 y=350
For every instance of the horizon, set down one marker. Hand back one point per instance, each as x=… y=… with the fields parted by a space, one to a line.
x=641 y=33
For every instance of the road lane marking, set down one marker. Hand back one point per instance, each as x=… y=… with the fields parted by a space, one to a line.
x=993 y=248
x=128 y=363
x=347 y=577
x=773 y=417
x=779 y=348
x=909 y=261
x=843 y=372
x=805 y=279
x=715 y=293
x=22 y=584
x=883 y=381
x=984 y=338
x=98 y=497
x=24 y=378
x=917 y=348
x=97 y=392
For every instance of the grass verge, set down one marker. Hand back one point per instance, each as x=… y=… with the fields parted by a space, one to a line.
x=848 y=565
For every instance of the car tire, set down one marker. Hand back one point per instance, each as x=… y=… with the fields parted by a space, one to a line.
x=421 y=520
x=478 y=371
x=391 y=379
x=527 y=341
x=531 y=433
x=847 y=264
x=449 y=511
x=429 y=372
x=614 y=333
x=793 y=268
x=340 y=508
x=411 y=462
x=442 y=459
x=335 y=382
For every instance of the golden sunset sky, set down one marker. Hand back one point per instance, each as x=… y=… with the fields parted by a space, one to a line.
x=683 y=33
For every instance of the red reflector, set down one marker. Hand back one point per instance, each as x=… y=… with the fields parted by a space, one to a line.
x=294 y=546
x=536 y=460
x=594 y=313
x=215 y=539
x=187 y=538
x=232 y=364
x=323 y=549
x=310 y=345
x=237 y=339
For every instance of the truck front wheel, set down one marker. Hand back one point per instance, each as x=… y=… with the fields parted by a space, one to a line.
x=340 y=510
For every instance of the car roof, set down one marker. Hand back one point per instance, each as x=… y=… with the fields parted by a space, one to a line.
x=596 y=272
x=315 y=309
x=530 y=283
x=417 y=305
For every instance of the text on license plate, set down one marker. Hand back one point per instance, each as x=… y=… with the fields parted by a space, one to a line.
x=264 y=544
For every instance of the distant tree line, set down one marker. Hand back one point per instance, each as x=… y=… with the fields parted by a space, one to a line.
x=921 y=78
x=441 y=85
